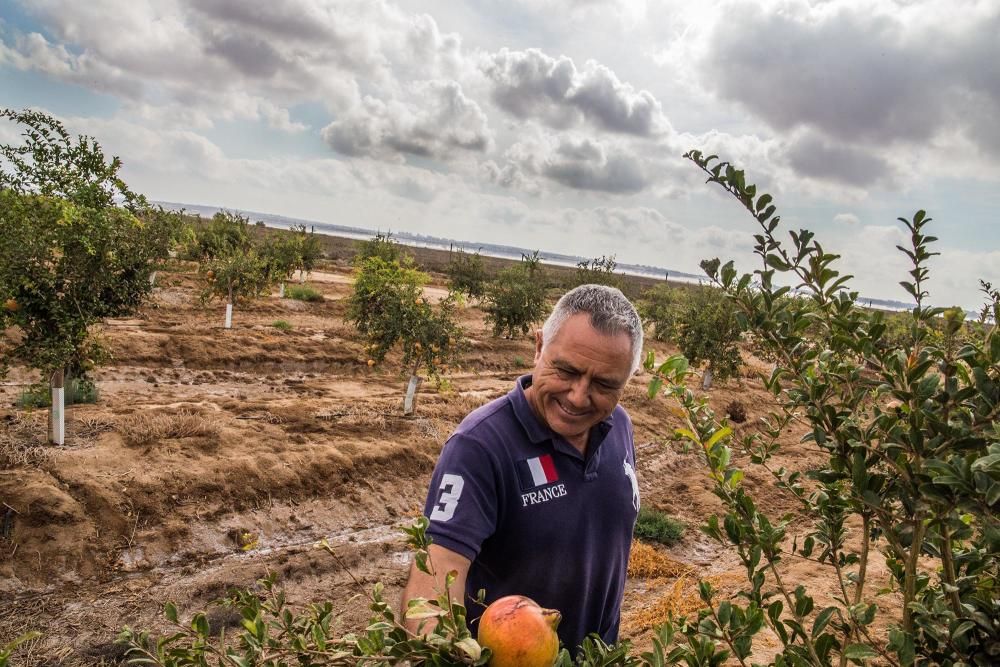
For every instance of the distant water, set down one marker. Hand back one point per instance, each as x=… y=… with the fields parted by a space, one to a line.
x=488 y=249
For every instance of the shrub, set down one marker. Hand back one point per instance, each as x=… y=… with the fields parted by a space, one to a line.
x=736 y=412
x=382 y=246
x=708 y=331
x=599 y=271
x=905 y=446
x=660 y=307
x=282 y=325
x=303 y=293
x=515 y=299
x=466 y=274
x=655 y=526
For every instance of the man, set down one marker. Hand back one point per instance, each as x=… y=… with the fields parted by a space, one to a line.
x=535 y=493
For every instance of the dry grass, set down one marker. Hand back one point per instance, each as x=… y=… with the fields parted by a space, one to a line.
x=680 y=599
x=22 y=439
x=358 y=414
x=648 y=562
x=142 y=429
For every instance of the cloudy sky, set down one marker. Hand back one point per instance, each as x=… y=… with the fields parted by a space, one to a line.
x=551 y=124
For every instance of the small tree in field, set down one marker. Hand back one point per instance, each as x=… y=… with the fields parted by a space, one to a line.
x=388 y=308
x=466 y=274
x=708 y=331
x=907 y=447
x=515 y=299
x=283 y=254
x=70 y=255
x=599 y=271
x=238 y=269
x=310 y=250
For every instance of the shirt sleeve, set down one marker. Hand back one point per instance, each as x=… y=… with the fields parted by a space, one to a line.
x=462 y=502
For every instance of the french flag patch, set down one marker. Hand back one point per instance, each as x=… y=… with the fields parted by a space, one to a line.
x=536 y=472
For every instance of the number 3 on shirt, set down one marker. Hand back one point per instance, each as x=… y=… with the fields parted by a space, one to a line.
x=451 y=491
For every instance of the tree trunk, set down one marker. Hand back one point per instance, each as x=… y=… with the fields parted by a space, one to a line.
x=706 y=379
x=57 y=413
x=411 y=391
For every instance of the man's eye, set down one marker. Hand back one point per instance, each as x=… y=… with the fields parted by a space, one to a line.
x=565 y=372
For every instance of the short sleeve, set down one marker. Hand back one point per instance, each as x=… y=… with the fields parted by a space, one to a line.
x=462 y=502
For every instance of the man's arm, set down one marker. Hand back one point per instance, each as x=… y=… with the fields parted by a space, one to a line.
x=422 y=585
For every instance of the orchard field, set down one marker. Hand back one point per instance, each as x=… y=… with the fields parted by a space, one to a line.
x=215 y=456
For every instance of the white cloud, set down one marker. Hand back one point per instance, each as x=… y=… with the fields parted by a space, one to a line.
x=531 y=84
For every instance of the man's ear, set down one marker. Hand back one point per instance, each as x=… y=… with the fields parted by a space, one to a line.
x=538 y=345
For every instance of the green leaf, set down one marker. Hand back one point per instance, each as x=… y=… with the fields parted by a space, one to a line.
x=718 y=435
x=821 y=621
x=170 y=611
x=859 y=652
x=654 y=387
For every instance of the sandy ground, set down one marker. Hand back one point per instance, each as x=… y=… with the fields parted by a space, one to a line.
x=205 y=440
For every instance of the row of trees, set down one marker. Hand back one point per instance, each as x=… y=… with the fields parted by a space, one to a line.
x=241 y=262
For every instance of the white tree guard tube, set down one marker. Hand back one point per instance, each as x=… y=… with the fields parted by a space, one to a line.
x=58 y=415
x=411 y=390
x=229 y=316
x=152 y=279
x=281 y=290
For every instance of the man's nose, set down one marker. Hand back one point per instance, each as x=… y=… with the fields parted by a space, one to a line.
x=579 y=393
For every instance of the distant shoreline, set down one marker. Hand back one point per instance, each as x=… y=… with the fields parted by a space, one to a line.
x=489 y=249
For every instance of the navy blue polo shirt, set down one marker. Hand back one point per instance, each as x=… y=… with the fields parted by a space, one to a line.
x=535 y=516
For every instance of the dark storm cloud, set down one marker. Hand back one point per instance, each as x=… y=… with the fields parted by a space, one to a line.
x=531 y=84
x=860 y=78
x=812 y=157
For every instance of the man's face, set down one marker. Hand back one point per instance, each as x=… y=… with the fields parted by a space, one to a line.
x=578 y=377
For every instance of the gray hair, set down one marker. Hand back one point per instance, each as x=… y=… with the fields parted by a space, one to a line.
x=610 y=312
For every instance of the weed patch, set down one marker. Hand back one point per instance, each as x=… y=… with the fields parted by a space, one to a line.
x=655 y=526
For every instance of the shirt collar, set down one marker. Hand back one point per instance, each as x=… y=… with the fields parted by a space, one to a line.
x=537 y=431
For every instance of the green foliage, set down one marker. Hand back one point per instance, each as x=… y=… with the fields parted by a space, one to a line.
x=282 y=325
x=701 y=321
x=283 y=253
x=466 y=274
x=911 y=453
x=660 y=307
x=77 y=391
x=224 y=233
x=388 y=308
x=303 y=293
x=234 y=266
x=515 y=299
x=69 y=257
x=382 y=246
x=708 y=331
x=50 y=163
x=599 y=271
x=655 y=526
x=273 y=632
x=310 y=248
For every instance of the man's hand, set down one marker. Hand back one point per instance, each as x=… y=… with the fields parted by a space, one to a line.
x=420 y=585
